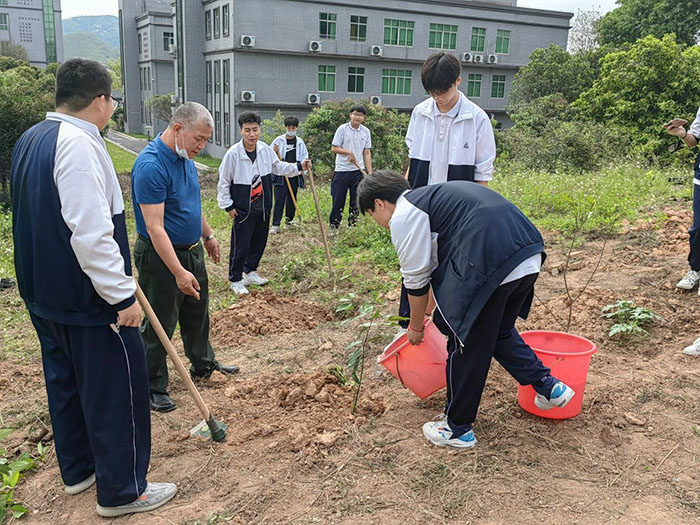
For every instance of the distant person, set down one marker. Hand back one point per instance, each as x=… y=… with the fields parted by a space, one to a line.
x=169 y=252
x=245 y=193
x=481 y=257
x=74 y=274
x=691 y=138
x=449 y=137
x=289 y=148
x=352 y=146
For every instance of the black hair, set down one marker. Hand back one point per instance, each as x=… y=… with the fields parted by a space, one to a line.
x=249 y=117
x=440 y=72
x=359 y=108
x=291 y=121
x=80 y=81
x=385 y=185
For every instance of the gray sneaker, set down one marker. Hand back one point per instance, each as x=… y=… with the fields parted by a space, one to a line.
x=80 y=487
x=155 y=495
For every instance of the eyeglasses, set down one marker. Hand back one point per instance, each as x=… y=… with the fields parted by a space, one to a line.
x=116 y=101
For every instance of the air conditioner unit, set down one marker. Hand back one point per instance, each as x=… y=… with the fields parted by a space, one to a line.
x=313 y=98
x=375 y=100
x=315 y=46
x=247 y=40
x=478 y=59
x=467 y=57
x=172 y=49
x=247 y=96
x=376 y=51
x=492 y=59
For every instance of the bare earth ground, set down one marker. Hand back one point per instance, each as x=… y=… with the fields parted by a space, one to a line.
x=295 y=454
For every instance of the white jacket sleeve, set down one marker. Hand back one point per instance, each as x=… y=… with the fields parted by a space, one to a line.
x=284 y=169
x=411 y=236
x=227 y=170
x=86 y=209
x=411 y=131
x=695 y=126
x=302 y=152
x=485 y=153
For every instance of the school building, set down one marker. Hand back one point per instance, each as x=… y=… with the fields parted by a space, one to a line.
x=35 y=25
x=264 y=55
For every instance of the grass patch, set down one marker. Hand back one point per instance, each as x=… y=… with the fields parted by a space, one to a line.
x=137 y=135
x=209 y=162
x=123 y=160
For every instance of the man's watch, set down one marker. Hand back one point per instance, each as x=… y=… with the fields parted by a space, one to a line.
x=209 y=237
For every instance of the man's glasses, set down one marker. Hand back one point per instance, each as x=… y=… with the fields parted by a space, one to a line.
x=116 y=101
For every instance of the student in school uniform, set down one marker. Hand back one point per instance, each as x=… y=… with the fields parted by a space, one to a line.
x=481 y=257
x=449 y=137
x=352 y=146
x=288 y=148
x=245 y=193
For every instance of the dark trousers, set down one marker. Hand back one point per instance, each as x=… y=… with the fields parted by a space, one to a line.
x=694 y=253
x=283 y=199
x=404 y=306
x=97 y=387
x=344 y=181
x=492 y=335
x=248 y=241
x=171 y=307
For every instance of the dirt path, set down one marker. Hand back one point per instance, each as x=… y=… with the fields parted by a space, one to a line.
x=295 y=454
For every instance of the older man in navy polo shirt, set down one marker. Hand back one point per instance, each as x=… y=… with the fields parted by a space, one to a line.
x=168 y=252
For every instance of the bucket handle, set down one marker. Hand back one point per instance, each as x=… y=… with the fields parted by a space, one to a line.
x=396 y=355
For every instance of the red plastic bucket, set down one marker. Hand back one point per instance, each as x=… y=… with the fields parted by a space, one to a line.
x=568 y=356
x=420 y=368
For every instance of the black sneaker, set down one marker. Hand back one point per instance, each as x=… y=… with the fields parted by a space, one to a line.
x=162 y=402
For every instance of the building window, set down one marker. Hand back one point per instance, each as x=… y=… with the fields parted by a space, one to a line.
x=4 y=22
x=3 y=2
x=140 y=43
x=474 y=85
x=356 y=80
x=49 y=31
x=227 y=77
x=207 y=25
x=502 y=41
x=358 y=28
x=398 y=32
x=149 y=77
x=396 y=81
x=326 y=78
x=327 y=25
x=442 y=36
x=210 y=79
x=227 y=129
x=217 y=22
x=217 y=92
x=225 y=19
x=478 y=39
x=168 y=40
x=498 y=86
x=217 y=126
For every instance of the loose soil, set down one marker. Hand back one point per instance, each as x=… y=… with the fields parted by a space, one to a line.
x=295 y=454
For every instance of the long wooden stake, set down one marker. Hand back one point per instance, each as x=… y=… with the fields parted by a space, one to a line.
x=320 y=222
x=291 y=193
x=362 y=170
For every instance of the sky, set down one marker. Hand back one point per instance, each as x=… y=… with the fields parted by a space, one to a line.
x=72 y=8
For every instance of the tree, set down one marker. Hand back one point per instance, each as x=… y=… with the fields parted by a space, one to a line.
x=161 y=106
x=583 y=35
x=273 y=128
x=388 y=128
x=635 y=19
x=115 y=68
x=12 y=50
x=641 y=88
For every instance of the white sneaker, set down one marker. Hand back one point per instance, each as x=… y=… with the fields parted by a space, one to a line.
x=559 y=397
x=239 y=288
x=253 y=278
x=80 y=487
x=155 y=495
x=693 y=349
x=332 y=231
x=275 y=230
x=440 y=434
x=690 y=280
x=293 y=224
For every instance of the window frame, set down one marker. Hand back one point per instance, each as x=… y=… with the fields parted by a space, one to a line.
x=207 y=24
x=473 y=81
x=442 y=32
x=498 y=85
x=225 y=20
x=326 y=75
x=399 y=77
x=480 y=38
x=170 y=40
x=356 y=76
x=502 y=35
x=391 y=30
x=329 y=22
x=359 y=25
x=217 y=22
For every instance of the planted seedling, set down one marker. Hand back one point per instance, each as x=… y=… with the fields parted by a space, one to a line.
x=12 y=470
x=629 y=318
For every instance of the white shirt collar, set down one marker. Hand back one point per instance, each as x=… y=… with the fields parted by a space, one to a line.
x=452 y=113
x=78 y=122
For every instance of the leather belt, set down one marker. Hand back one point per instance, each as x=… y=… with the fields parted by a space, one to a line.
x=185 y=247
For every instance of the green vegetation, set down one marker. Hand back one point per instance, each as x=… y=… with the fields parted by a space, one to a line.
x=12 y=471
x=123 y=160
x=210 y=162
x=83 y=44
x=629 y=318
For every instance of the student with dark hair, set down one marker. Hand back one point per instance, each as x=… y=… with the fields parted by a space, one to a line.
x=449 y=137
x=352 y=146
x=245 y=192
x=481 y=257
x=288 y=148
x=74 y=273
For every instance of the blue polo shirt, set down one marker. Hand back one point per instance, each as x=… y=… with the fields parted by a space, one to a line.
x=159 y=176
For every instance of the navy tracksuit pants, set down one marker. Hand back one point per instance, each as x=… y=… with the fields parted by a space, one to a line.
x=344 y=181
x=284 y=201
x=492 y=335
x=694 y=253
x=248 y=241
x=97 y=385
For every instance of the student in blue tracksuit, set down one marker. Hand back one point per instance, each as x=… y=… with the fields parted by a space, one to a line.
x=481 y=257
x=245 y=193
x=74 y=274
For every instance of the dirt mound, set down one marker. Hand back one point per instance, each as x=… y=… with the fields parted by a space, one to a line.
x=262 y=313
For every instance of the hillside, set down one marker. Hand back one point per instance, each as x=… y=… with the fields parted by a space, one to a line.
x=88 y=45
x=106 y=28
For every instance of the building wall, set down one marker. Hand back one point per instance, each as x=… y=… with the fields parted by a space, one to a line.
x=28 y=27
